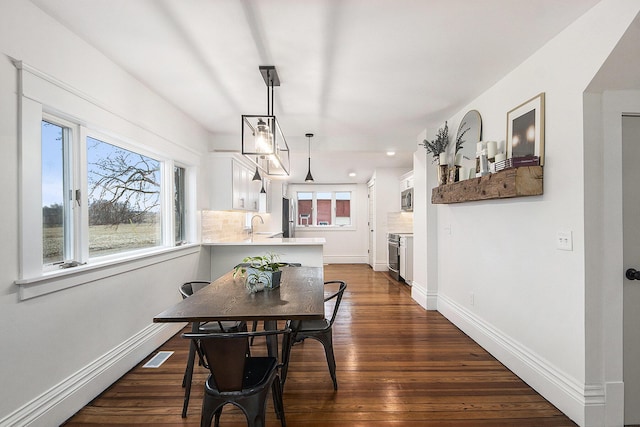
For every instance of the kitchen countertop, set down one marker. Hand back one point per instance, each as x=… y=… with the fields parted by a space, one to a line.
x=272 y=241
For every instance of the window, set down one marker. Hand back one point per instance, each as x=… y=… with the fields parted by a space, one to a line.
x=179 y=209
x=56 y=207
x=123 y=199
x=124 y=202
x=331 y=208
x=89 y=195
x=305 y=208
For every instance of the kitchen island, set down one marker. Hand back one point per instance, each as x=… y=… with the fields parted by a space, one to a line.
x=226 y=255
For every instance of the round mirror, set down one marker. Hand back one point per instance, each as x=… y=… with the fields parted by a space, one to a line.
x=469 y=134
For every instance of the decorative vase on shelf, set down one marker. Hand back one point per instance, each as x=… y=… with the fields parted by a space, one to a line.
x=443 y=169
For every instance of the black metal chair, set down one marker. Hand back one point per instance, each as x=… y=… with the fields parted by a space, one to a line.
x=239 y=378
x=322 y=330
x=186 y=290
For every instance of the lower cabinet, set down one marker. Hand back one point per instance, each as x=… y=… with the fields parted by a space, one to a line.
x=406 y=258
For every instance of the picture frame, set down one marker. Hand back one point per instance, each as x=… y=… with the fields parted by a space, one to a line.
x=525 y=129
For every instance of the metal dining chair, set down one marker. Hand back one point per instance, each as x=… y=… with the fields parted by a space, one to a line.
x=238 y=378
x=186 y=290
x=322 y=330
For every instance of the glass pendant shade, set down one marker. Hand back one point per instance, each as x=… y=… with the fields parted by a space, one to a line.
x=262 y=137
x=264 y=144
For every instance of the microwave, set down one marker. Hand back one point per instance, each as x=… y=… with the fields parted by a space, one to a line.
x=406 y=200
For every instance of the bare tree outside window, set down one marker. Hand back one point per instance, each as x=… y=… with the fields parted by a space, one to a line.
x=124 y=199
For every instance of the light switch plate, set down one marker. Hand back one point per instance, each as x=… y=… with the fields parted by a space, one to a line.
x=564 y=240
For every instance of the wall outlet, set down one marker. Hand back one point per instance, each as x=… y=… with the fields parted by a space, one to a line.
x=564 y=240
x=472 y=298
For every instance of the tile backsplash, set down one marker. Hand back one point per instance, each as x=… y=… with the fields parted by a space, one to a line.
x=400 y=222
x=223 y=226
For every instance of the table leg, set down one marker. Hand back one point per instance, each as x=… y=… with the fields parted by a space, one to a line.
x=272 y=340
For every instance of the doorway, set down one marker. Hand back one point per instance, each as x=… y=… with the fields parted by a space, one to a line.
x=370 y=219
x=631 y=259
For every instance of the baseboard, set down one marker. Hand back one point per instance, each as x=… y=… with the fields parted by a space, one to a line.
x=380 y=266
x=419 y=294
x=345 y=259
x=63 y=400
x=566 y=393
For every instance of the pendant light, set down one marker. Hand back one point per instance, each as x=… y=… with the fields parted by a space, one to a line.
x=256 y=176
x=309 y=178
x=262 y=135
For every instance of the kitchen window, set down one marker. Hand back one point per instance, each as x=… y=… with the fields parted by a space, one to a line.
x=324 y=208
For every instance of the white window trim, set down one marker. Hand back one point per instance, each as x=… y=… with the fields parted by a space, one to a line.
x=37 y=92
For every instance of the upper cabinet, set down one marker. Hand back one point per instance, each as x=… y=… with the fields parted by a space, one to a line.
x=232 y=187
x=406 y=181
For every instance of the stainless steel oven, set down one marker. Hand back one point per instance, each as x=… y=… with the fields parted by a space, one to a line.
x=394 y=255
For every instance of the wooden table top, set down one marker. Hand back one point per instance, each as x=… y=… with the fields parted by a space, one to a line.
x=300 y=296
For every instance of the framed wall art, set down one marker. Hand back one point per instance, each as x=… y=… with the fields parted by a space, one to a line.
x=525 y=129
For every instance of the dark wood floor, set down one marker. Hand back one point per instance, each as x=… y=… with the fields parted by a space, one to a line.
x=397 y=365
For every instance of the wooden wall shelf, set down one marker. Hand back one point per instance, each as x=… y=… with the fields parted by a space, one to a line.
x=515 y=182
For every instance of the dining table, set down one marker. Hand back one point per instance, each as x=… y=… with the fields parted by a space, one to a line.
x=300 y=296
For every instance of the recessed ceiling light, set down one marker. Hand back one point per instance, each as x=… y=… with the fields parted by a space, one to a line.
x=352 y=174
x=391 y=153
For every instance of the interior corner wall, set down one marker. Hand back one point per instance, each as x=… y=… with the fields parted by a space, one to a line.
x=424 y=288
x=518 y=295
x=60 y=350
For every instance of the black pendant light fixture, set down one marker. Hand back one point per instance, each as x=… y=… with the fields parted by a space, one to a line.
x=262 y=138
x=309 y=177
x=256 y=176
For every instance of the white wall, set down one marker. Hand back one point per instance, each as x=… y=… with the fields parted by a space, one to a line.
x=59 y=350
x=386 y=187
x=529 y=305
x=342 y=246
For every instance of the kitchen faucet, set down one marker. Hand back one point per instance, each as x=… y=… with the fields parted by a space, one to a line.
x=261 y=222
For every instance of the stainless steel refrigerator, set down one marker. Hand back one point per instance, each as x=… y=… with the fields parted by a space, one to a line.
x=288 y=218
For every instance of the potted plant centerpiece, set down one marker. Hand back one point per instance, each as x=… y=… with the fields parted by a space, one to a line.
x=261 y=272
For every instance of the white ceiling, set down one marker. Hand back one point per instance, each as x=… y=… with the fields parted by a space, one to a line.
x=365 y=76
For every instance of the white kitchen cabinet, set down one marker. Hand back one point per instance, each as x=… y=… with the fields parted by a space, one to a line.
x=232 y=187
x=406 y=258
x=406 y=181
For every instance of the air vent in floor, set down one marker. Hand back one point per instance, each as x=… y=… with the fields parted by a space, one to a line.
x=158 y=359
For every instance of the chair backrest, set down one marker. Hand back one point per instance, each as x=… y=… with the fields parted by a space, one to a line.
x=190 y=288
x=225 y=355
x=337 y=296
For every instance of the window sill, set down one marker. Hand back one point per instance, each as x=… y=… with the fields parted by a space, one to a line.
x=63 y=279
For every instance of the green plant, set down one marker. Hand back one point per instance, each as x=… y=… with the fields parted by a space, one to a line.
x=267 y=262
x=262 y=271
x=438 y=145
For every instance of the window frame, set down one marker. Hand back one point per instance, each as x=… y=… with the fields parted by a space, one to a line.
x=33 y=268
x=332 y=189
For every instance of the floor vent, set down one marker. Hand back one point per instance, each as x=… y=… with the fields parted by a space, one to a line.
x=157 y=360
